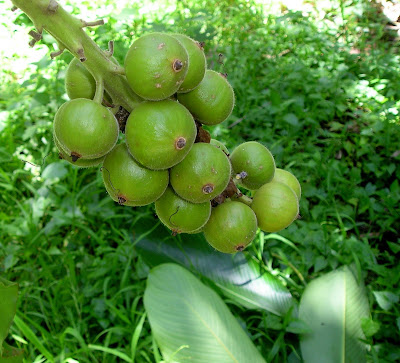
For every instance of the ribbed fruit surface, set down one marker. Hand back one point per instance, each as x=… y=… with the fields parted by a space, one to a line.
x=85 y=128
x=286 y=177
x=156 y=65
x=231 y=227
x=256 y=161
x=179 y=215
x=197 y=63
x=81 y=163
x=276 y=206
x=129 y=183
x=202 y=175
x=79 y=83
x=212 y=101
x=219 y=145
x=160 y=134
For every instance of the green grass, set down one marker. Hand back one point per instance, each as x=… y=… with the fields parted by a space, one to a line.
x=327 y=112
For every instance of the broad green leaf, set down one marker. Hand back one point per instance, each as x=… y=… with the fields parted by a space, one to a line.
x=239 y=278
x=333 y=306
x=191 y=323
x=8 y=306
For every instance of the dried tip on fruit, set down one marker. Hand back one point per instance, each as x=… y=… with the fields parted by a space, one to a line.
x=180 y=143
x=298 y=216
x=121 y=200
x=239 y=248
x=241 y=175
x=208 y=188
x=14 y=8
x=75 y=156
x=201 y=45
x=177 y=65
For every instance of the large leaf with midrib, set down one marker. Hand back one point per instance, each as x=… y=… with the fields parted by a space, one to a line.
x=333 y=306
x=191 y=323
x=238 y=276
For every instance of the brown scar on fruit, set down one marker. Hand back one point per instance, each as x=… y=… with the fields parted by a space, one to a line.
x=239 y=248
x=157 y=75
x=180 y=143
x=161 y=46
x=208 y=188
x=201 y=45
x=75 y=156
x=177 y=65
x=158 y=85
x=121 y=199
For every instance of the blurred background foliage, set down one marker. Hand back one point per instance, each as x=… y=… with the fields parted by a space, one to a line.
x=317 y=84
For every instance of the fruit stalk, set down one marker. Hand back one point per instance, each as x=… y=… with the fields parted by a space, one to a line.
x=68 y=31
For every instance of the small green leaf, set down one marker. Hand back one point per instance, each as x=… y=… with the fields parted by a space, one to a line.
x=369 y=327
x=191 y=323
x=386 y=299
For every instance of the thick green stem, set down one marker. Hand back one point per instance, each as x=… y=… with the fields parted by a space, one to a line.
x=68 y=31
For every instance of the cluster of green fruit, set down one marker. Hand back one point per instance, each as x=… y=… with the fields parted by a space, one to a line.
x=167 y=157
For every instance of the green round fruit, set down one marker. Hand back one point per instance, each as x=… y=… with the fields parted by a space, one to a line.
x=81 y=163
x=85 y=129
x=289 y=179
x=212 y=101
x=202 y=175
x=219 y=145
x=160 y=134
x=255 y=163
x=179 y=215
x=129 y=183
x=197 y=63
x=276 y=206
x=79 y=82
x=231 y=227
x=156 y=65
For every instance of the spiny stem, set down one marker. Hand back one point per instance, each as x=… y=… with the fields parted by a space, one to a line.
x=56 y=53
x=110 y=48
x=35 y=35
x=67 y=30
x=92 y=23
x=98 y=96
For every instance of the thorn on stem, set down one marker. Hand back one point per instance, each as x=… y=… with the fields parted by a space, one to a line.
x=52 y=7
x=81 y=54
x=56 y=54
x=14 y=8
x=32 y=43
x=35 y=35
x=111 y=48
x=92 y=23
